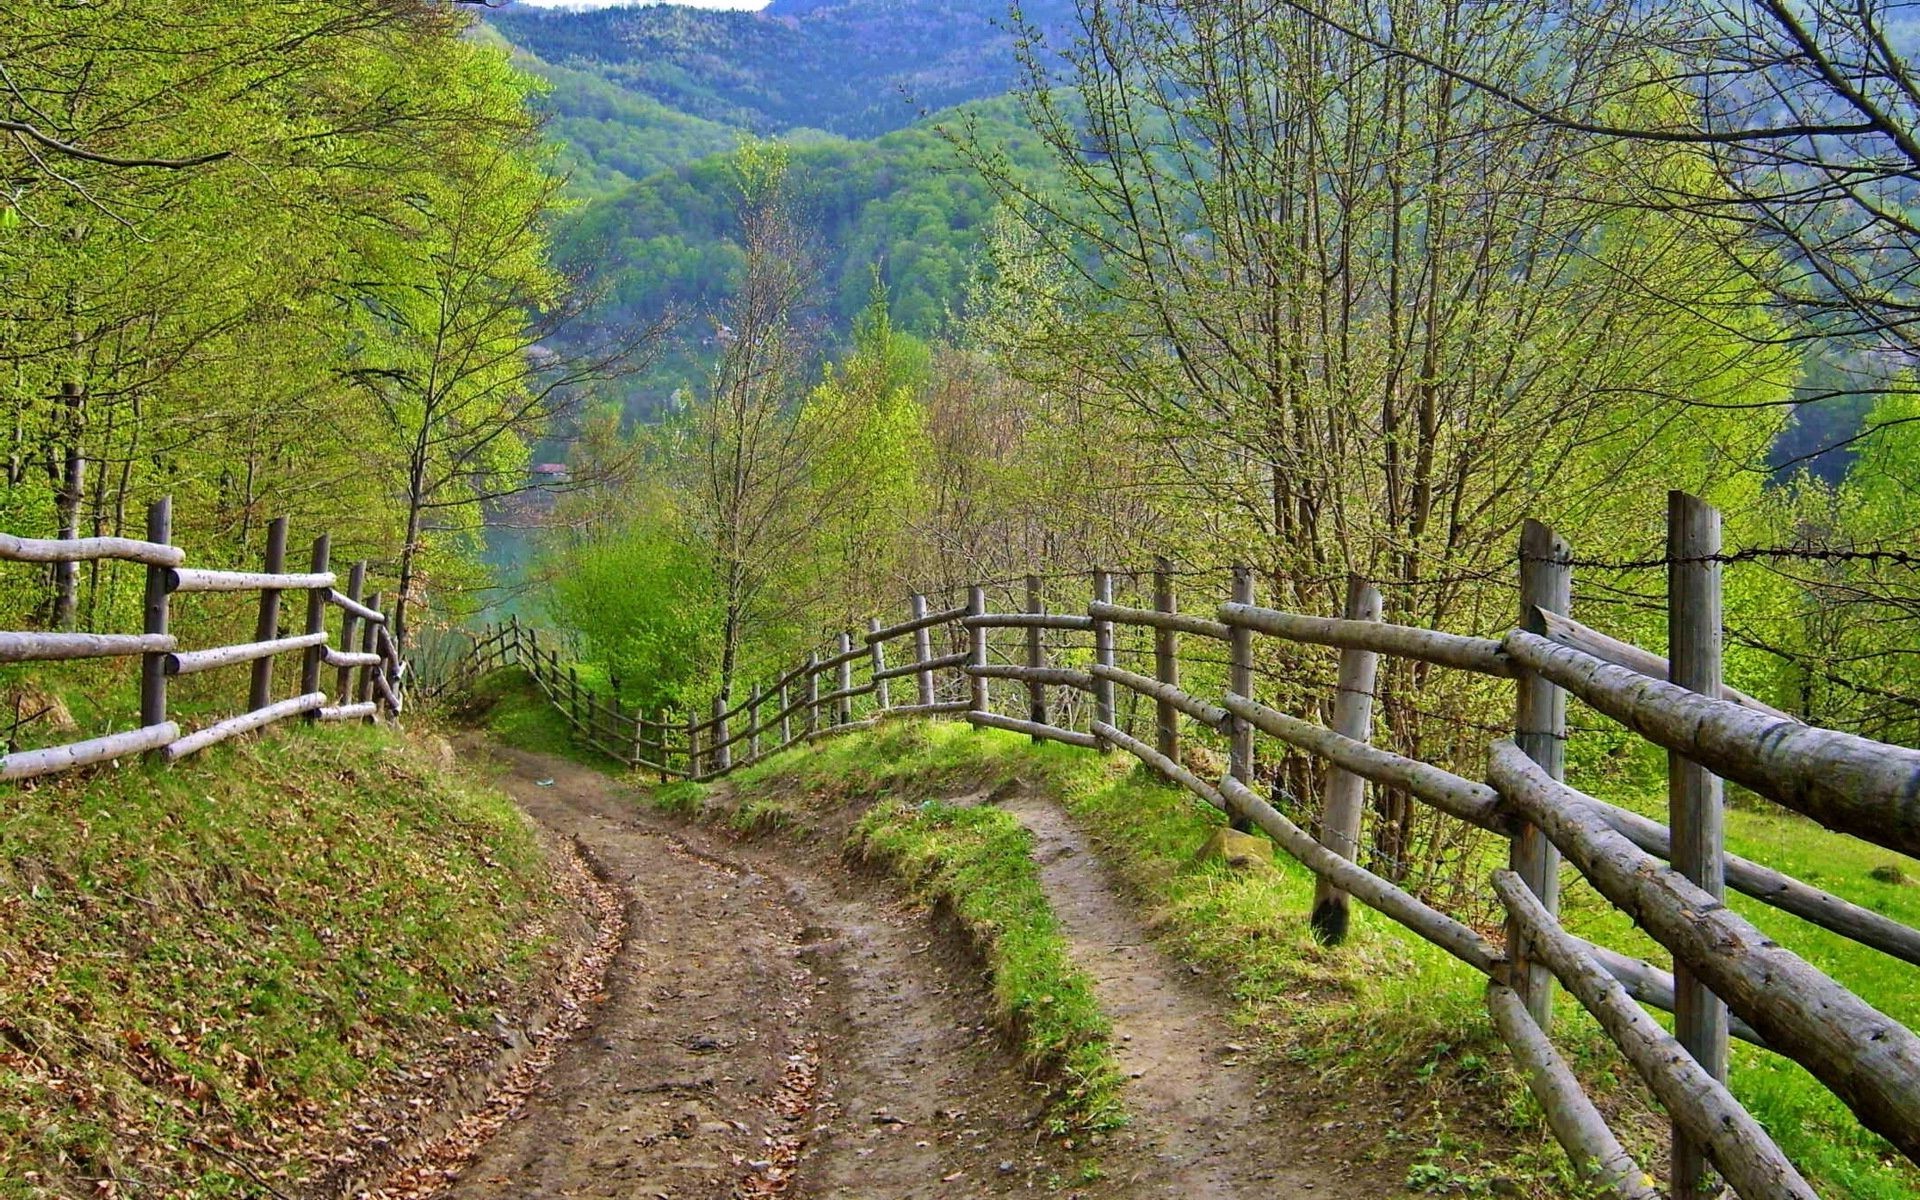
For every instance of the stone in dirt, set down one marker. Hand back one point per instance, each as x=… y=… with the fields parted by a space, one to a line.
x=1241 y=851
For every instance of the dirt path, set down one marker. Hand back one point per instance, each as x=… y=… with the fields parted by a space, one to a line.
x=771 y=1027
x=1206 y=1125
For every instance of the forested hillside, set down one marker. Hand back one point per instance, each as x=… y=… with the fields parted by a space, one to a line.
x=909 y=205
x=856 y=69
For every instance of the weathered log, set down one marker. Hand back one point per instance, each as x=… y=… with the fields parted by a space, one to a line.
x=57 y=647
x=1782 y=891
x=922 y=652
x=1866 y=788
x=155 y=614
x=1576 y=1123
x=1697 y=1102
x=1568 y=632
x=1540 y=732
x=1363 y=885
x=939 y=708
x=219 y=732
x=27 y=764
x=1039 y=620
x=1103 y=650
x=1045 y=676
x=1033 y=729
x=1345 y=791
x=194 y=580
x=1654 y=987
x=1036 y=655
x=1178 y=622
x=925 y=668
x=843 y=656
x=1240 y=679
x=1866 y=1058
x=267 y=619
x=346 y=712
x=1166 y=660
x=190 y=662
x=920 y=620
x=350 y=604
x=1210 y=715
x=1481 y=655
x=1474 y=803
x=1161 y=763
x=350 y=657
x=51 y=550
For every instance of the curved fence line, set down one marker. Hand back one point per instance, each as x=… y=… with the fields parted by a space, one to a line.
x=1669 y=876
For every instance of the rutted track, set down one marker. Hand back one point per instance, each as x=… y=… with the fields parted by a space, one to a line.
x=770 y=1027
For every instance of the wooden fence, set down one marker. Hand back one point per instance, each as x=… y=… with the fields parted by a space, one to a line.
x=366 y=681
x=1730 y=980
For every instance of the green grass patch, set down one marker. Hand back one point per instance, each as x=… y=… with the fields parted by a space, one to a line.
x=509 y=705
x=221 y=954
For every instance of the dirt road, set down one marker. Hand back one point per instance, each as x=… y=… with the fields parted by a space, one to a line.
x=771 y=1027
x=777 y=1024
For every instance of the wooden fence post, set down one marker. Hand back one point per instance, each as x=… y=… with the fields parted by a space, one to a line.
x=266 y=626
x=843 y=679
x=1166 y=663
x=364 y=692
x=923 y=650
x=786 y=717
x=314 y=657
x=811 y=684
x=573 y=693
x=1240 y=732
x=1103 y=654
x=356 y=580
x=1695 y=798
x=722 y=752
x=979 y=700
x=153 y=667
x=1036 y=657
x=881 y=699
x=1540 y=731
x=1346 y=792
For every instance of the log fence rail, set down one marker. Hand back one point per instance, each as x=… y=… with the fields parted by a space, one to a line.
x=369 y=682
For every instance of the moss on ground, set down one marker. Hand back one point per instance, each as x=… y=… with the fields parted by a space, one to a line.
x=202 y=966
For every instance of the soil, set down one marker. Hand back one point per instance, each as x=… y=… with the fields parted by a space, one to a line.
x=771 y=1027
x=779 y=1023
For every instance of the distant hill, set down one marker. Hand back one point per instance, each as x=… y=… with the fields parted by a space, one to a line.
x=906 y=204
x=857 y=68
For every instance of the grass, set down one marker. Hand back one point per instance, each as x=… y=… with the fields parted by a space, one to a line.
x=510 y=705
x=211 y=961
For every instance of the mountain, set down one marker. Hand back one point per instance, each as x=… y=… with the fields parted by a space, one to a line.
x=856 y=68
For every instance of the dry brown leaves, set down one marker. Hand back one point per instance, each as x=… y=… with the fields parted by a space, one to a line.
x=429 y=1167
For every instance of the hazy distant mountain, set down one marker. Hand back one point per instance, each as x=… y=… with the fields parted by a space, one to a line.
x=856 y=68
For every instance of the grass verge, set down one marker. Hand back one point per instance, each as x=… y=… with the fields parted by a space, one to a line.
x=204 y=968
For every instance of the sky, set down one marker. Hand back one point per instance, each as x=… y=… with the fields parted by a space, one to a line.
x=617 y=3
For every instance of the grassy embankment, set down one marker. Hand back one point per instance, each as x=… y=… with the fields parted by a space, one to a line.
x=205 y=969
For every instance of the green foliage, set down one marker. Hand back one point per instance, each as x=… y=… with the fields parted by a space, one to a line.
x=322 y=316
x=226 y=953
x=643 y=602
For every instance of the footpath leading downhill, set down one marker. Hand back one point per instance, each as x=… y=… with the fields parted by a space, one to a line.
x=780 y=1024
